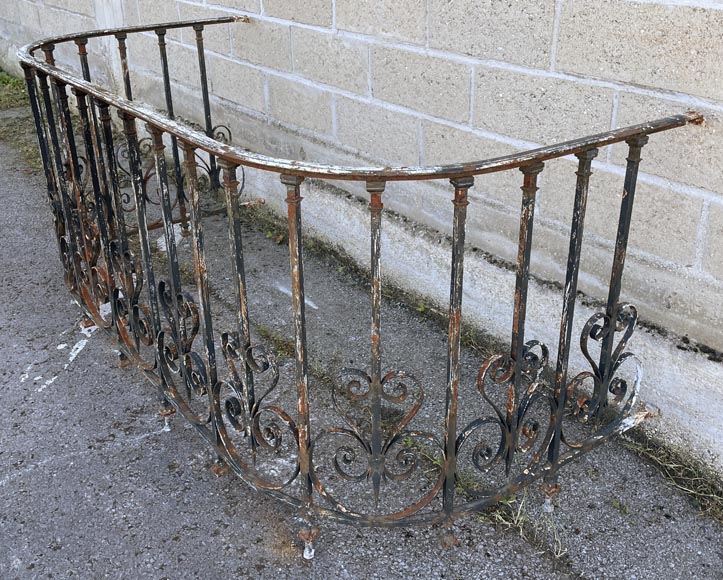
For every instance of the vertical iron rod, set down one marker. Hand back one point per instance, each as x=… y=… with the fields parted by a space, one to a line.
x=40 y=133
x=206 y=103
x=454 y=335
x=123 y=51
x=81 y=210
x=204 y=298
x=527 y=217
x=375 y=189
x=161 y=33
x=93 y=162
x=166 y=210
x=293 y=201
x=635 y=145
x=239 y=275
x=570 y=293
x=135 y=167
x=119 y=218
x=96 y=140
x=65 y=200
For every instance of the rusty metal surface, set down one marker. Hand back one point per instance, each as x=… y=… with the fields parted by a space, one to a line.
x=102 y=198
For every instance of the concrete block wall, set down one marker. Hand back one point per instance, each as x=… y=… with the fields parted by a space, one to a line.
x=435 y=81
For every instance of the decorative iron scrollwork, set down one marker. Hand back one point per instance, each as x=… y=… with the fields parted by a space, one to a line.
x=514 y=431
x=376 y=445
x=183 y=370
x=589 y=392
x=268 y=454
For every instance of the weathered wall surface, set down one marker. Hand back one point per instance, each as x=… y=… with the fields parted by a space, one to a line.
x=434 y=81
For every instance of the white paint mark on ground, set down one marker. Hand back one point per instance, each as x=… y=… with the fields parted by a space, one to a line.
x=72 y=355
x=287 y=291
x=26 y=373
x=79 y=346
x=46 y=384
x=88 y=331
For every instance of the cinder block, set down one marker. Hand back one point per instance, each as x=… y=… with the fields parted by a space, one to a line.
x=143 y=53
x=263 y=43
x=669 y=47
x=296 y=104
x=183 y=65
x=23 y=16
x=713 y=260
x=691 y=155
x=443 y=145
x=318 y=12
x=664 y=223
x=86 y=7
x=245 y=5
x=156 y=12
x=54 y=22
x=377 y=132
x=237 y=83
x=402 y=19
x=516 y=32
x=216 y=37
x=428 y=84
x=130 y=13
x=539 y=109
x=331 y=60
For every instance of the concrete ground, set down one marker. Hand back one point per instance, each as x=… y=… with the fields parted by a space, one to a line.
x=92 y=486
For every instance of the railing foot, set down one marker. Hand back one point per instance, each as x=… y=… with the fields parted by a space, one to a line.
x=86 y=321
x=166 y=410
x=447 y=537
x=551 y=488
x=123 y=361
x=219 y=467
x=307 y=535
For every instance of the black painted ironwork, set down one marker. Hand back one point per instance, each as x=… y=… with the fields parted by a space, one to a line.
x=106 y=188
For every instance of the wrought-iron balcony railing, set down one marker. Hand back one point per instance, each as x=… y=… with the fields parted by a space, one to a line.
x=524 y=426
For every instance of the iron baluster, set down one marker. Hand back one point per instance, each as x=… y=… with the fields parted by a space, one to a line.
x=230 y=184
x=213 y=171
x=80 y=213
x=135 y=164
x=568 y=308
x=91 y=151
x=454 y=335
x=115 y=199
x=40 y=131
x=376 y=461
x=296 y=263
x=96 y=141
x=607 y=358
x=70 y=239
x=125 y=71
x=180 y=193
x=522 y=279
x=201 y=273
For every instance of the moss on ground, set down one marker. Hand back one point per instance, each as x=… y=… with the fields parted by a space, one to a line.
x=12 y=91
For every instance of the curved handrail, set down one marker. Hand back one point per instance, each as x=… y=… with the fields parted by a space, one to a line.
x=246 y=158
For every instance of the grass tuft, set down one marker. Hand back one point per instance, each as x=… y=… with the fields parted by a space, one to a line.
x=703 y=488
